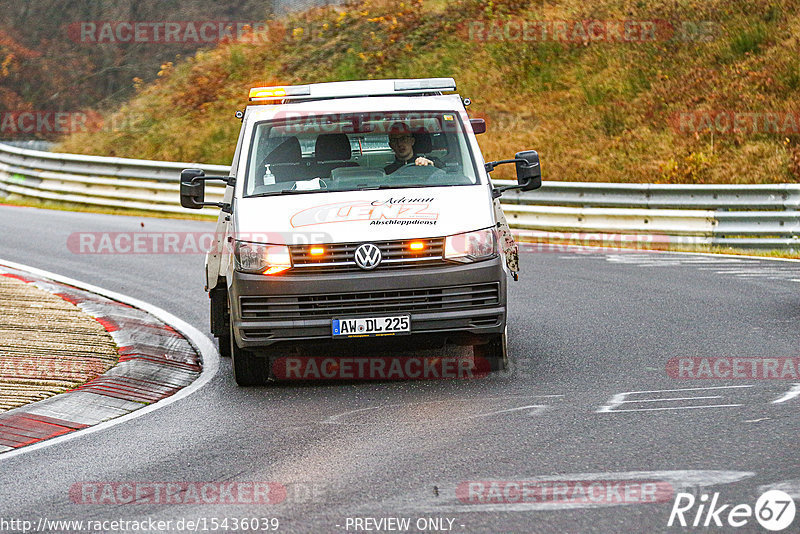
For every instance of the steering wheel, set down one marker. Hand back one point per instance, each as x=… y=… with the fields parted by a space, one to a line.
x=412 y=170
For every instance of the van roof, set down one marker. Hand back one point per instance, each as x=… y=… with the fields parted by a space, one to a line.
x=352 y=89
x=259 y=111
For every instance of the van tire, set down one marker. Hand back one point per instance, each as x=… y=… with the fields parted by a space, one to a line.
x=248 y=368
x=495 y=352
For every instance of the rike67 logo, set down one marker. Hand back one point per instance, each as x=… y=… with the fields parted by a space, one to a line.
x=774 y=511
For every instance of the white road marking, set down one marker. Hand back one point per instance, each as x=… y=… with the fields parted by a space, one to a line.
x=646 y=261
x=199 y=341
x=759 y=272
x=743 y=267
x=624 y=398
x=533 y=409
x=716 y=261
x=789 y=395
x=762 y=271
x=753 y=269
x=692 y=256
x=675 y=408
x=792 y=487
x=677 y=399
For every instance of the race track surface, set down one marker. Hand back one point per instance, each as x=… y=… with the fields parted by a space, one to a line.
x=590 y=332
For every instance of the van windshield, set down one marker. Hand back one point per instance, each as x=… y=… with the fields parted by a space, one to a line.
x=305 y=153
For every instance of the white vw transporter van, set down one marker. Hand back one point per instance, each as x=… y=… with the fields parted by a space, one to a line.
x=358 y=215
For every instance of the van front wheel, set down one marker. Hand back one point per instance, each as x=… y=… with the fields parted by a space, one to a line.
x=248 y=368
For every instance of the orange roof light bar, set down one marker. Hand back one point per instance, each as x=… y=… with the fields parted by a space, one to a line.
x=278 y=93
x=257 y=92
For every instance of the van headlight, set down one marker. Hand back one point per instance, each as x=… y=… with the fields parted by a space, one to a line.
x=261 y=258
x=471 y=246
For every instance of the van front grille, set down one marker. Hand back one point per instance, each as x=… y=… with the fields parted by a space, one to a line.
x=329 y=305
x=340 y=257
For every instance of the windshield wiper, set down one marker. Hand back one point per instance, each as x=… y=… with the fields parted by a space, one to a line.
x=290 y=192
x=366 y=188
x=391 y=186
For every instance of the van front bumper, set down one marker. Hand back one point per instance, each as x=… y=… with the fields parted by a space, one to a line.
x=461 y=303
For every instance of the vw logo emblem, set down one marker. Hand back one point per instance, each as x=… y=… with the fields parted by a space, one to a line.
x=368 y=256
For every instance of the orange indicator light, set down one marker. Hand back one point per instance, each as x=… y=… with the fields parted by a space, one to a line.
x=275 y=269
x=267 y=92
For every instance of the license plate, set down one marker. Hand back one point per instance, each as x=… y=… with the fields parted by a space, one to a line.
x=371 y=326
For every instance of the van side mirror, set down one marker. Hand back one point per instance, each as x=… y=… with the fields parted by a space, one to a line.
x=193 y=193
x=529 y=172
x=529 y=175
x=478 y=126
x=193 y=189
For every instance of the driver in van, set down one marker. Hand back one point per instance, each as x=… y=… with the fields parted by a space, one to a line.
x=401 y=141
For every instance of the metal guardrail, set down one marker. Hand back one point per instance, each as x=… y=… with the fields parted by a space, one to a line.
x=742 y=216
x=664 y=196
x=99 y=181
x=739 y=216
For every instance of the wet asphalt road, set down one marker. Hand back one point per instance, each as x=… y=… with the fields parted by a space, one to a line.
x=590 y=333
